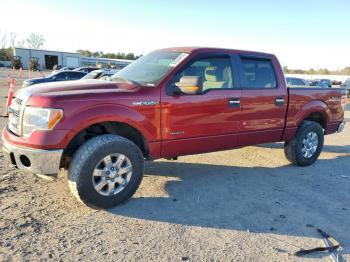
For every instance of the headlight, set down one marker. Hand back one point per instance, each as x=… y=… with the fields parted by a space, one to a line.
x=35 y=118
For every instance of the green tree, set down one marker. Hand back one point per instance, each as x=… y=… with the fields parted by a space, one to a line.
x=6 y=54
x=345 y=71
x=130 y=56
x=84 y=52
x=96 y=54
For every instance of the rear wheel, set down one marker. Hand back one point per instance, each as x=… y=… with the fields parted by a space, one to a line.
x=305 y=148
x=105 y=171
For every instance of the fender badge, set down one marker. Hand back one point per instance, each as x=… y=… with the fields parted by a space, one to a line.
x=145 y=103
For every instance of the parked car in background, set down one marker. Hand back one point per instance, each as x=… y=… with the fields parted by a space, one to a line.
x=58 y=76
x=57 y=67
x=106 y=77
x=336 y=82
x=346 y=85
x=295 y=81
x=98 y=74
x=324 y=82
x=60 y=68
x=319 y=83
x=327 y=82
x=86 y=69
x=169 y=103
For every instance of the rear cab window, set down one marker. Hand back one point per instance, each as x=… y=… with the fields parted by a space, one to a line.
x=258 y=73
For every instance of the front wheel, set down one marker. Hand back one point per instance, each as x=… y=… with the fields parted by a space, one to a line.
x=105 y=171
x=305 y=148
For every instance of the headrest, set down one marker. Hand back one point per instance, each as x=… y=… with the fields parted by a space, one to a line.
x=211 y=73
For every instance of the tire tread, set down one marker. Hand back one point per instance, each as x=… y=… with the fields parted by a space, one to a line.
x=86 y=152
x=290 y=148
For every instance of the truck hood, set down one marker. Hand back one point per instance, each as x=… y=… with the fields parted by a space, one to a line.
x=75 y=90
x=75 y=87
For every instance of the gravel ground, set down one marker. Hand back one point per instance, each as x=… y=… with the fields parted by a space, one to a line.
x=239 y=205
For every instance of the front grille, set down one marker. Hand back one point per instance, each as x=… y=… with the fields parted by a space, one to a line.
x=15 y=114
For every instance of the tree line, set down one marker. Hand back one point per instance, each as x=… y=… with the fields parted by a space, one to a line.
x=129 y=56
x=322 y=71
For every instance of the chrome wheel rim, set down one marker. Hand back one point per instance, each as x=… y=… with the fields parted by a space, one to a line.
x=310 y=144
x=112 y=174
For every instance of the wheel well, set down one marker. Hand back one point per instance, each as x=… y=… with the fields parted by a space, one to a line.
x=317 y=117
x=115 y=128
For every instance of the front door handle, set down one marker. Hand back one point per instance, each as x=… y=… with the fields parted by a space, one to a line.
x=279 y=101
x=234 y=102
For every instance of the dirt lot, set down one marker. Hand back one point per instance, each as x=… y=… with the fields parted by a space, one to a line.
x=238 y=205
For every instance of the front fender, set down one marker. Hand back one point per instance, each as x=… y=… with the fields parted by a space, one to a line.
x=79 y=120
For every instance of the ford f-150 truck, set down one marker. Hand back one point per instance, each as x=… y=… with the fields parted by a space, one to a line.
x=169 y=103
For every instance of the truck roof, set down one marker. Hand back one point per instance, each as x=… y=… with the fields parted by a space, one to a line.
x=191 y=49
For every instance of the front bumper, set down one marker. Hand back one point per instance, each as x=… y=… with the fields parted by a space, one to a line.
x=35 y=161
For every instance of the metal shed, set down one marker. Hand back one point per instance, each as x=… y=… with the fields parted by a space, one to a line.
x=47 y=58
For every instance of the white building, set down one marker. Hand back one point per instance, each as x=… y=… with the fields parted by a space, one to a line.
x=49 y=58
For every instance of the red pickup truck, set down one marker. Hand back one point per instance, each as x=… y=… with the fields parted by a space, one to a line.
x=169 y=103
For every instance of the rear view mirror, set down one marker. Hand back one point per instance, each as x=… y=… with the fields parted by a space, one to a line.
x=190 y=85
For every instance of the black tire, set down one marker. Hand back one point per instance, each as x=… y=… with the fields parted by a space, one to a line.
x=293 y=148
x=82 y=166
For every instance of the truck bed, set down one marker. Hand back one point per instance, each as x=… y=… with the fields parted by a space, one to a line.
x=306 y=100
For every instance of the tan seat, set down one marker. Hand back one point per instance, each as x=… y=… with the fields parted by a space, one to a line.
x=211 y=78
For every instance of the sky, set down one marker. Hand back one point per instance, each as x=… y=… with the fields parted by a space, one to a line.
x=303 y=34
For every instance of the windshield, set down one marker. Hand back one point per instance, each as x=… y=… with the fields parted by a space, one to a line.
x=91 y=75
x=151 y=68
x=51 y=75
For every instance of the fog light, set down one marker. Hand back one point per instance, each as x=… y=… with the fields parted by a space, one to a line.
x=25 y=161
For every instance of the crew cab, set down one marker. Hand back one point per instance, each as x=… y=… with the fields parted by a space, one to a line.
x=169 y=103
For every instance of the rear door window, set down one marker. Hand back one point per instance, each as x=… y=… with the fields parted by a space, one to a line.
x=258 y=73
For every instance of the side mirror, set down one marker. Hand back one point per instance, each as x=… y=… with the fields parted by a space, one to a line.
x=189 y=85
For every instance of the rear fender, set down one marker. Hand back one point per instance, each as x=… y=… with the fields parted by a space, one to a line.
x=294 y=121
x=315 y=106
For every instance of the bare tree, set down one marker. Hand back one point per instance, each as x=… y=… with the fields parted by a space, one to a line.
x=3 y=39
x=13 y=37
x=35 y=41
x=21 y=43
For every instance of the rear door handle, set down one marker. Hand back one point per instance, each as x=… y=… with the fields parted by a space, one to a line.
x=279 y=101
x=234 y=102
